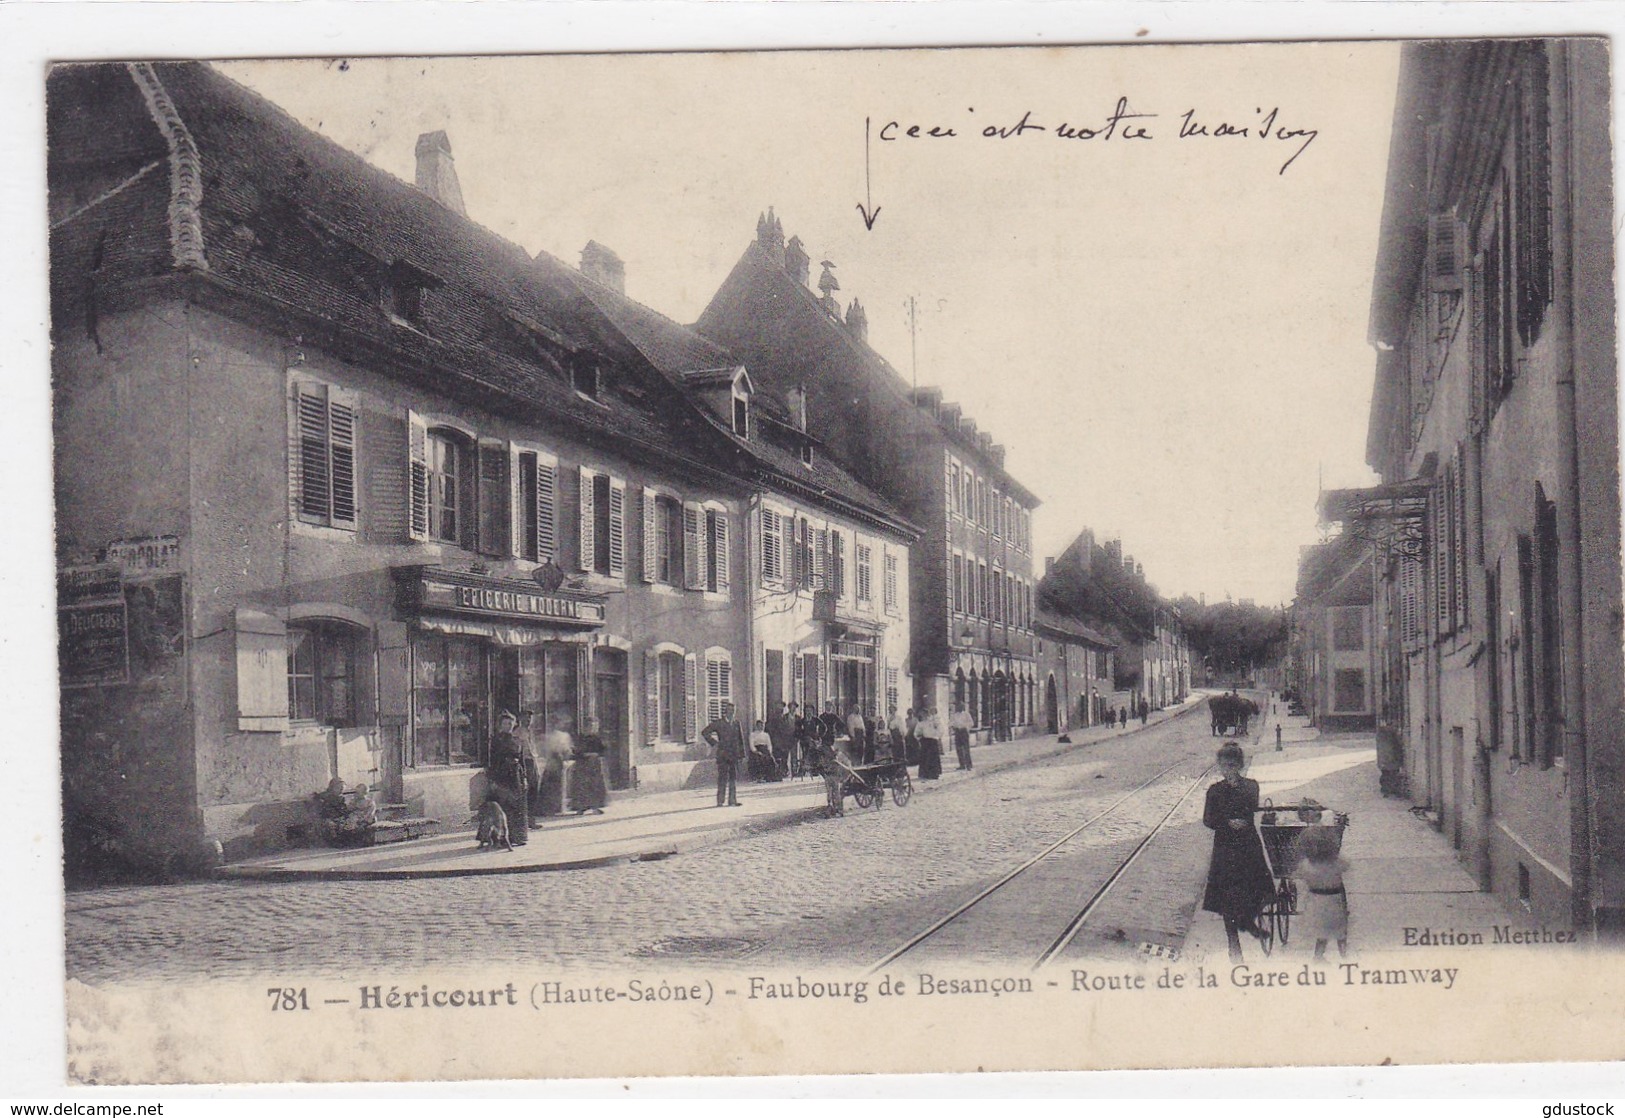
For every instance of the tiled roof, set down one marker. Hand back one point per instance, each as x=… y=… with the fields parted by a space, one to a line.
x=784 y=289
x=1066 y=627
x=680 y=354
x=292 y=219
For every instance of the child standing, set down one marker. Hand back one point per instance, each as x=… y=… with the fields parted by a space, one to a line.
x=1238 y=877
x=1326 y=903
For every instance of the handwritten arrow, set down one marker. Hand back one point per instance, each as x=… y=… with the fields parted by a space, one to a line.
x=870 y=211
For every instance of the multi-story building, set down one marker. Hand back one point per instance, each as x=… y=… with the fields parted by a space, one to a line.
x=1494 y=429
x=339 y=473
x=1334 y=636
x=1075 y=666
x=827 y=568
x=971 y=581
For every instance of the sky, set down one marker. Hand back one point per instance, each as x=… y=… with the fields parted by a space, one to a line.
x=1166 y=331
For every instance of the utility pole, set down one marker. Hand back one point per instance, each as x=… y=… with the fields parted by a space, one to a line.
x=913 y=344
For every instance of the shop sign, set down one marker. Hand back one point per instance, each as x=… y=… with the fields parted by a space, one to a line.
x=145 y=555
x=495 y=601
x=93 y=648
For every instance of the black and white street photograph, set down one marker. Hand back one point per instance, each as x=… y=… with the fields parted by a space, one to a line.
x=1022 y=558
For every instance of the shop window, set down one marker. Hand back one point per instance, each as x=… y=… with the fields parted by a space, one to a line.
x=322 y=673
x=323 y=463
x=450 y=705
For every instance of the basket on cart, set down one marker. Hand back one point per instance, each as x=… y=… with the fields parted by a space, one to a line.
x=1281 y=828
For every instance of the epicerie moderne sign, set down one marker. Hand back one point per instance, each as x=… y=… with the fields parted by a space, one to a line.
x=490 y=601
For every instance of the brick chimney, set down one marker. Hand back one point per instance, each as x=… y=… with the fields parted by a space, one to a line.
x=601 y=264
x=797 y=262
x=796 y=398
x=984 y=442
x=857 y=321
x=996 y=452
x=437 y=173
x=770 y=236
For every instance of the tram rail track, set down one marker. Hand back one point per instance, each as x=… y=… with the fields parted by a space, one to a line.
x=1078 y=918
x=1073 y=925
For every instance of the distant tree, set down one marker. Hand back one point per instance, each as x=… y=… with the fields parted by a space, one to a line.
x=1233 y=638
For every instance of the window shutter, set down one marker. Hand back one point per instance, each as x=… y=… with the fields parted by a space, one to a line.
x=725 y=685
x=798 y=684
x=547 y=510
x=820 y=558
x=651 y=696
x=521 y=468
x=713 y=689
x=693 y=553
x=691 y=697
x=417 y=469
x=719 y=543
x=262 y=671
x=1459 y=533
x=587 y=541
x=494 y=510
x=343 y=410
x=617 y=528
x=313 y=483
x=651 y=535
x=837 y=554
x=772 y=546
x=1444 y=251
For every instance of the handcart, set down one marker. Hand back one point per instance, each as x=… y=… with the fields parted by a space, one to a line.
x=1281 y=827
x=868 y=785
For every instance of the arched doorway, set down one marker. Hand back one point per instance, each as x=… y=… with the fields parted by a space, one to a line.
x=1052 y=713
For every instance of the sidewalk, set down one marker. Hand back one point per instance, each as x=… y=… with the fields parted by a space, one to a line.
x=635 y=826
x=1402 y=873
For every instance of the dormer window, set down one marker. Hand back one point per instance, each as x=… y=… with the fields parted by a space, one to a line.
x=402 y=293
x=741 y=415
x=806 y=454
x=584 y=375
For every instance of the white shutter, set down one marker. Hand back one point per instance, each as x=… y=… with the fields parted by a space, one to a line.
x=798 y=672
x=693 y=552
x=820 y=571
x=1444 y=251
x=518 y=467
x=492 y=488
x=586 y=522
x=651 y=534
x=719 y=544
x=691 y=697
x=772 y=545
x=651 y=696
x=617 y=528
x=417 y=472
x=713 y=689
x=262 y=671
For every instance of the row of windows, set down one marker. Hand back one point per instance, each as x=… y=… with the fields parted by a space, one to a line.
x=976 y=500
x=451 y=686
x=976 y=590
x=798 y=556
x=502 y=499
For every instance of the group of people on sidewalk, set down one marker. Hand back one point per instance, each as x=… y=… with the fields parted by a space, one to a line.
x=569 y=772
x=799 y=741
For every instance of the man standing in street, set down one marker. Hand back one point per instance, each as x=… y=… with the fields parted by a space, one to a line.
x=959 y=726
x=727 y=740
x=781 y=731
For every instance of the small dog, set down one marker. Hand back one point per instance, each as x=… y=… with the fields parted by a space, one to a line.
x=493 y=826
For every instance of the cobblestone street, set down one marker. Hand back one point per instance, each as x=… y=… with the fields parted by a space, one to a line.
x=836 y=890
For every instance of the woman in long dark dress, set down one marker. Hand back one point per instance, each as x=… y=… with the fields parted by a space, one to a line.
x=1238 y=878
x=505 y=777
x=588 y=791
x=930 y=732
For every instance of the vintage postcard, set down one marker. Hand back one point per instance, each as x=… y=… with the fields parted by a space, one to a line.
x=1040 y=558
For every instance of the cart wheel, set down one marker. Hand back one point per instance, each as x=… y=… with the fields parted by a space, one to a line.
x=863 y=797
x=901 y=789
x=1286 y=903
